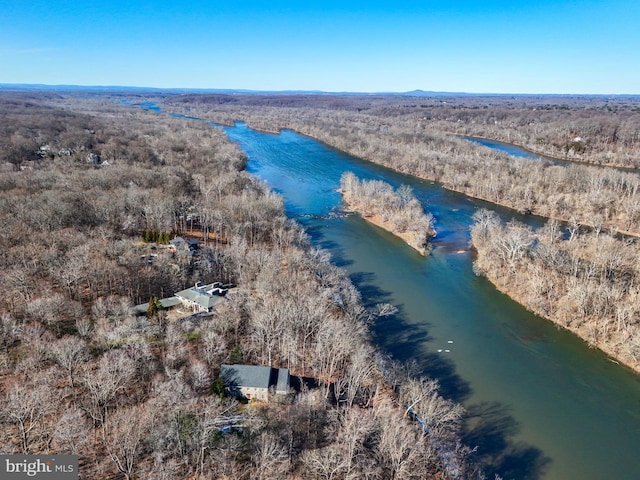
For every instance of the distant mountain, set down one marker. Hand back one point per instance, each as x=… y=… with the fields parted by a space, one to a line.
x=25 y=87
x=424 y=93
x=228 y=91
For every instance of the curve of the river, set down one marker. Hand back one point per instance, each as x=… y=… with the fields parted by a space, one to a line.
x=541 y=404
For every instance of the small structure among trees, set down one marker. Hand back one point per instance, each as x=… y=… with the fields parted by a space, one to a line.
x=254 y=382
x=201 y=298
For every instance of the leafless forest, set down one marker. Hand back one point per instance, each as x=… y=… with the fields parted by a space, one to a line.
x=583 y=276
x=413 y=140
x=587 y=281
x=86 y=188
x=397 y=210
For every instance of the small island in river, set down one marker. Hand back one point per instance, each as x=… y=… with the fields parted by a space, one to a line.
x=397 y=211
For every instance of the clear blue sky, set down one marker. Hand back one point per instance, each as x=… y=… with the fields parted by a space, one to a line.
x=500 y=46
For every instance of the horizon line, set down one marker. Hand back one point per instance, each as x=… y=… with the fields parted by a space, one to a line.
x=416 y=92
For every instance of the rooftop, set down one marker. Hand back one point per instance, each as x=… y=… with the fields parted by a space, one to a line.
x=254 y=376
x=204 y=295
x=165 y=302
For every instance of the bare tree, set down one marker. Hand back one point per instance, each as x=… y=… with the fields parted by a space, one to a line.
x=360 y=373
x=71 y=433
x=113 y=374
x=9 y=332
x=400 y=448
x=70 y=352
x=270 y=458
x=200 y=376
x=327 y=463
x=421 y=399
x=27 y=406
x=123 y=436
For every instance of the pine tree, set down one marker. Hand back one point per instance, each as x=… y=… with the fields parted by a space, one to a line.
x=154 y=306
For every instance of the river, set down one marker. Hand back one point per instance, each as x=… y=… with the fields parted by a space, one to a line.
x=512 y=150
x=541 y=404
x=516 y=151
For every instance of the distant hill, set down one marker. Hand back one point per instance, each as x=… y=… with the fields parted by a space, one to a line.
x=27 y=87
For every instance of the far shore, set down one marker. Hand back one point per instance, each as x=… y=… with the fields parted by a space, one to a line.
x=616 y=229
x=573 y=159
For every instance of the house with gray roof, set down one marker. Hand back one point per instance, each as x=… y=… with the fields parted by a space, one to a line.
x=201 y=298
x=183 y=247
x=255 y=382
x=166 y=303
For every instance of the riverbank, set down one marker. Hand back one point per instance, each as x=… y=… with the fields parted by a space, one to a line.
x=508 y=287
x=502 y=358
x=616 y=346
x=397 y=211
x=408 y=237
x=546 y=155
x=505 y=285
x=584 y=285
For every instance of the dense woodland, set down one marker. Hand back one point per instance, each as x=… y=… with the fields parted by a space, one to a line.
x=85 y=187
x=597 y=300
x=596 y=129
x=586 y=281
x=399 y=211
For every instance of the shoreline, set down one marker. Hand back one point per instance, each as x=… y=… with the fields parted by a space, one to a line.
x=606 y=348
x=572 y=160
x=407 y=237
x=466 y=193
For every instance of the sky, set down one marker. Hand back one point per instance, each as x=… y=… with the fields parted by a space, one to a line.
x=473 y=46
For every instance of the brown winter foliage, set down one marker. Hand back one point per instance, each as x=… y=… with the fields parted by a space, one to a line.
x=87 y=187
x=413 y=137
x=397 y=211
x=587 y=281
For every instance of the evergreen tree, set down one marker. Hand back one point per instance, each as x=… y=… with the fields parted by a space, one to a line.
x=154 y=307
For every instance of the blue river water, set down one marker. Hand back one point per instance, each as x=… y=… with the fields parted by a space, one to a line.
x=541 y=404
x=510 y=149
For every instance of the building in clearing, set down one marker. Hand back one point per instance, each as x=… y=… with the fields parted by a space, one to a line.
x=255 y=382
x=167 y=304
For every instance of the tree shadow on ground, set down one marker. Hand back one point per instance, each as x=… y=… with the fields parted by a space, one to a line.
x=490 y=428
x=316 y=234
